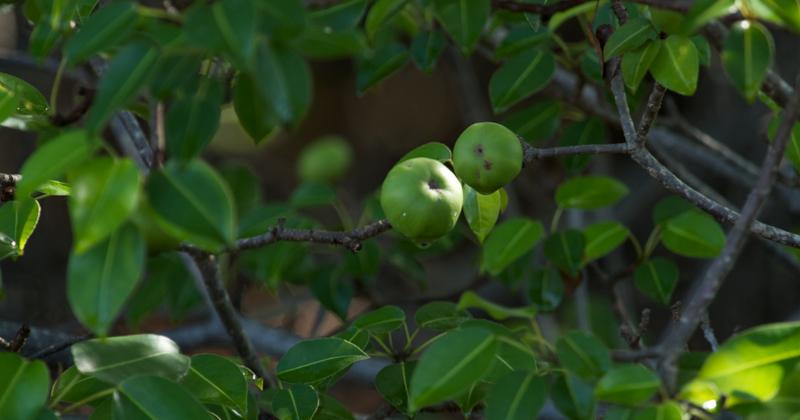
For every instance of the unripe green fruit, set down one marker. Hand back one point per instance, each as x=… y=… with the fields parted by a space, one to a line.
x=325 y=160
x=422 y=199
x=487 y=156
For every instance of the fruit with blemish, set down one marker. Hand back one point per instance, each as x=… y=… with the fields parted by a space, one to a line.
x=487 y=156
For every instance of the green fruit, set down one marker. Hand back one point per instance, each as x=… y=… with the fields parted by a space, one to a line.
x=422 y=199
x=487 y=156
x=325 y=160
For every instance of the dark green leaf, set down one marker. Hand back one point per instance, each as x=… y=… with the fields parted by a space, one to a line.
x=331 y=409
x=340 y=16
x=235 y=22
x=214 y=379
x=18 y=220
x=657 y=278
x=312 y=194
x=509 y=241
x=333 y=291
x=105 y=193
x=565 y=250
x=545 y=289
x=24 y=386
x=670 y=410
x=590 y=192
x=154 y=397
x=255 y=114
x=583 y=354
x=433 y=150
x=73 y=386
x=517 y=396
x=282 y=19
x=322 y=44
x=440 y=316
x=629 y=36
x=177 y=72
x=192 y=121
x=521 y=77
x=392 y=383
x=590 y=131
x=463 y=20
x=628 y=384
x=380 y=14
x=694 y=234
x=537 y=122
x=573 y=397
x=703 y=49
x=244 y=185
x=379 y=65
x=101 y=279
x=636 y=63
x=284 y=81
x=670 y=207
x=676 y=65
x=52 y=160
x=426 y=48
x=298 y=402
x=521 y=38
x=115 y=359
x=106 y=28
x=381 y=321
x=747 y=56
x=470 y=299
x=193 y=203
x=314 y=360
x=481 y=211
x=602 y=238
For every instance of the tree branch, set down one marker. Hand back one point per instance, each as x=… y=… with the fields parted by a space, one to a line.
x=548 y=10
x=350 y=240
x=533 y=153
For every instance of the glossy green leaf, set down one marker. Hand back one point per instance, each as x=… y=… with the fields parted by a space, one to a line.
x=20 y=99
x=545 y=288
x=101 y=279
x=314 y=360
x=440 y=316
x=481 y=211
x=537 y=122
x=192 y=121
x=154 y=397
x=379 y=65
x=339 y=16
x=235 y=22
x=24 y=386
x=107 y=27
x=298 y=402
x=215 y=379
x=177 y=71
x=670 y=207
x=747 y=56
x=517 y=396
x=565 y=250
x=115 y=359
x=629 y=36
x=255 y=114
x=602 y=238
x=704 y=11
x=590 y=192
x=53 y=188
x=470 y=299
x=73 y=386
x=676 y=65
x=433 y=150
x=129 y=70
x=512 y=355
x=53 y=159
x=657 y=278
x=105 y=192
x=473 y=396
x=331 y=409
x=382 y=320
x=782 y=12
x=193 y=203
x=393 y=383
x=18 y=220
x=284 y=81
x=627 y=384
x=521 y=38
x=463 y=20
x=426 y=48
x=694 y=234
x=520 y=77
x=583 y=354
x=636 y=63
x=509 y=241
x=703 y=49
x=573 y=397
x=380 y=14
x=450 y=366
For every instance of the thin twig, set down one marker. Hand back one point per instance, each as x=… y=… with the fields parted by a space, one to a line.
x=533 y=153
x=651 y=111
x=351 y=240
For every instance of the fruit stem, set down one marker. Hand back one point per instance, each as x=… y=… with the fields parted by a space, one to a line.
x=556 y=219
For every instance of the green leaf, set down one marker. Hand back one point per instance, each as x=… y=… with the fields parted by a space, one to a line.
x=627 y=384
x=463 y=20
x=703 y=49
x=590 y=192
x=177 y=71
x=545 y=288
x=440 y=316
x=105 y=193
x=517 y=396
x=589 y=131
x=128 y=72
x=636 y=63
x=747 y=56
x=521 y=38
x=53 y=159
x=537 y=122
x=521 y=77
x=298 y=402
x=107 y=27
x=468 y=400
x=676 y=65
x=235 y=22
x=381 y=321
x=392 y=383
x=670 y=207
x=115 y=359
x=602 y=238
x=244 y=185
x=451 y=365
x=583 y=354
x=426 y=48
x=215 y=379
x=753 y=363
x=512 y=355
x=24 y=386
x=379 y=65
x=433 y=150
x=255 y=114
x=340 y=16
x=704 y=11
x=380 y=14
x=322 y=44
x=573 y=397
x=565 y=250
x=73 y=386
x=481 y=211
x=192 y=121
x=782 y=12
x=670 y=410
x=331 y=409
x=194 y=204
x=314 y=360
x=629 y=36
x=154 y=397
x=470 y=299
x=18 y=220
x=53 y=188
x=509 y=241
x=694 y=234
x=333 y=291
x=101 y=279
x=312 y=194
x=284 y=81
x=282 y=20
x=657 y=278
x=20 y=99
